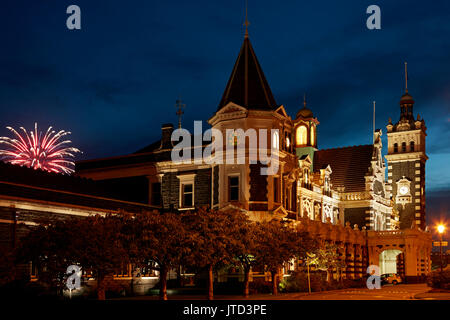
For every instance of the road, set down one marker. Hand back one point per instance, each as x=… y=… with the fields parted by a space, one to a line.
x=388 y=292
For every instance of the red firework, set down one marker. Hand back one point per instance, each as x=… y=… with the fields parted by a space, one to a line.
x=35 y=151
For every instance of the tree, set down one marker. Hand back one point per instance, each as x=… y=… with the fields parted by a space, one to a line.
x=245 y=250
x=48 y=246
x=276 y=244
x=97 y=245
x=327 y=258
x=212 y=239
x=94 y=243
x=151 y=236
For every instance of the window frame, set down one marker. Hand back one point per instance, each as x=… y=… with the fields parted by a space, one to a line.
x=186 y=179
x=238 y=186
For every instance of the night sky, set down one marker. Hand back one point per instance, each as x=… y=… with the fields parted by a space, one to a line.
x=115 y=81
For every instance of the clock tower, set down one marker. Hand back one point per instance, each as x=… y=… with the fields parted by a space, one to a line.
x=406 y=163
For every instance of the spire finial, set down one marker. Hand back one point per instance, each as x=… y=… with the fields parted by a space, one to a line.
x=406 y=77
x=304 y=100
x=246 y=23
x=179 y=105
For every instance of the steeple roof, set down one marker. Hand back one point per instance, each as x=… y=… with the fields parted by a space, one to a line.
x=247 y=85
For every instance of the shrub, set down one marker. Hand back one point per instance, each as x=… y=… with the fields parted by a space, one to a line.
x=260 y=286
x=298 y=282
x=439 y=280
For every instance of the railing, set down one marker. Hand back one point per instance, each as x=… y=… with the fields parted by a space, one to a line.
x=355 y=196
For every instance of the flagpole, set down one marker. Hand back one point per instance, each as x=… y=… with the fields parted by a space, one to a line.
x=373 y=132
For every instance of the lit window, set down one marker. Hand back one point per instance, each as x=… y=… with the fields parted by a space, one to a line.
x=301 y=136
x=233 y=184
x=188 y=193
x=275 y=140
x=312 y=135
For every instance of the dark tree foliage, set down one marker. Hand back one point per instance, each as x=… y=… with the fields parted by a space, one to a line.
x=213 y=239
x=277 y=243
x=94 y=243
x=49 y=247
x=151 y=236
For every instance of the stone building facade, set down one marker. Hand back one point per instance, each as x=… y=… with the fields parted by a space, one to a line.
x=338 y=195
x=341 y=194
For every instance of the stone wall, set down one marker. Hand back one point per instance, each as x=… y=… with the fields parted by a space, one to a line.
x=202 y=188
x=170 y=191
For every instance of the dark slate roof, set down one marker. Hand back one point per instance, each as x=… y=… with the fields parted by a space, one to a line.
x=247 y=85
x=132 y=159
x=349 y=165
x=150 y=148
x=149 y=154
x=27 y=183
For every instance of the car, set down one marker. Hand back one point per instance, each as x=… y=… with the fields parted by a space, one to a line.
x=391 y=278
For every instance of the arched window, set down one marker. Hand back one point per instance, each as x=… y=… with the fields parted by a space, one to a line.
x=275 y=140
x=395 y=147
x=403 y=146
x=411 y=146
x=301 y=136
x=312 y=135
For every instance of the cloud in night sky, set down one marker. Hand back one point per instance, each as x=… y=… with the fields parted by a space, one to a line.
x=115 y=81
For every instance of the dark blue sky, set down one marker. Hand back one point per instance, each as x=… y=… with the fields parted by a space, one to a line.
x=115 y=81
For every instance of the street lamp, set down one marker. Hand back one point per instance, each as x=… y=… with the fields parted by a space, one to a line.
x=441 y=229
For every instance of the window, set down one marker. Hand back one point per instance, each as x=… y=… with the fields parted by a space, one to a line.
x=312 y=135
x=187 y=195
x=403 y=146
x=233 y=188
x=301 y=136
x=395 y=147
x=287 y=141
x=156 y=194
x=275 y=140
x=411 y=146
x=186 y=191
x=276 y=185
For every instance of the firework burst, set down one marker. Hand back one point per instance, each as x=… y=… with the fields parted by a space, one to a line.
x=37 y=151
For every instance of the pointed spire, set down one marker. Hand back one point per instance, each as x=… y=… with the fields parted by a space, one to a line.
x=246 y=23
x=304 y=112
x=247 y=85
x=406 y=77
x=406 y=101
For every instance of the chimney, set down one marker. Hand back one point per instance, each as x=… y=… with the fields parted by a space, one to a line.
x=167 y=130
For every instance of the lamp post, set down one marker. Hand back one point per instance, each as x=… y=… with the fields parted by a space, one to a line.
x=441 y=229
